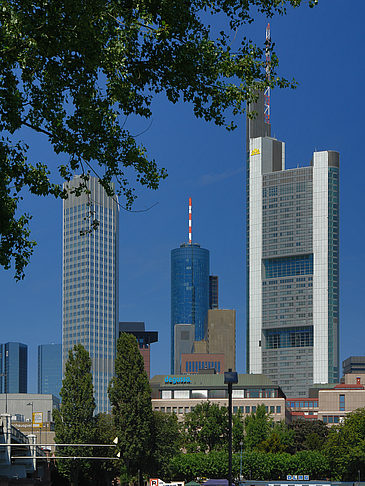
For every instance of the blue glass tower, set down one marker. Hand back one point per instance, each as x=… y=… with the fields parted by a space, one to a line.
x=189 y=290
x=50 y=368
x=13 y=368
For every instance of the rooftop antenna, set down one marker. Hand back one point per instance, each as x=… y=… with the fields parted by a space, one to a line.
x=190 y=222
x=268 y=62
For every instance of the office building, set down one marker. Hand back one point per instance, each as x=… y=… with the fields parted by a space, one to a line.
x=192 y=363
x=292 y=263
x=90 y=281
x=184 y=335
x=354 y=364
x=179 y=394
x=144 y=340
x=213 y=292
x=221 y=335
x=189 y=289
x=50 y=369
x=13 y=368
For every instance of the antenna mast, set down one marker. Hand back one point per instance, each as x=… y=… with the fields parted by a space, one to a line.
x=268 y=62
x=190 y=222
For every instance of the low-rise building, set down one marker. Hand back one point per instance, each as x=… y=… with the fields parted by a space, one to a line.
x=181 y=393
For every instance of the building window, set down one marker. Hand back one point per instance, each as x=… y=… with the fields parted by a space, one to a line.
x=294 y=337
x=247 y=409
x=272 y=409
x=288 y=266
x=166 y=394
x=199 y=393
x=278 y=409
x=342 y=403
x=181 y=393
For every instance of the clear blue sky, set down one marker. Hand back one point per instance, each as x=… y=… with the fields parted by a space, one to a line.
x=323 y=49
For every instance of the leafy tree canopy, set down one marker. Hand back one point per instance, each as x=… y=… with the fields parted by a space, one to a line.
x=75 y=70
x=257 y=428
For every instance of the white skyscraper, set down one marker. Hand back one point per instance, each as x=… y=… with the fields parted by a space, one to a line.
x=90 y=281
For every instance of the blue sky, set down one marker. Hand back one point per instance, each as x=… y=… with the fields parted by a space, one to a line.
x=323 y=49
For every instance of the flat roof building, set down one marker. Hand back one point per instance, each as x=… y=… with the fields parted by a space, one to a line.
x=13 y=368
x=354 y=364
x=179 y=394
x=50 y=369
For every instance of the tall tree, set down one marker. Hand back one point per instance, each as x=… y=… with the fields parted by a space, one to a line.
x=257 y=428
x=74 y=71
x=166 y=443
x=308 y=434
x=130 y=397
x=74 y=422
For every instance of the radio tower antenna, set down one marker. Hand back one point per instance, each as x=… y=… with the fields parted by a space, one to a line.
x=190 y=222
x=268 y=66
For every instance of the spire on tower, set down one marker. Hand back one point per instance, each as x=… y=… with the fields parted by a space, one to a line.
x=190 y=223
x=268 y=62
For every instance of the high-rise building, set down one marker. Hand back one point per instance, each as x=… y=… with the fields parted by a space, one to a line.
x=144 y=340
x=213 y=292
x=90 y=280
x=189 y=289
x=13 y=368
x=292 y=263
x=354 y=364
x=221 y=335
x=50 y=369
x=184 y=340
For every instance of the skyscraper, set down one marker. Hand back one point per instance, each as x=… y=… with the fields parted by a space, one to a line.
x=90 y=281
x=50 y=369
x=189 y=288
x=292 y=263
x=13 y=368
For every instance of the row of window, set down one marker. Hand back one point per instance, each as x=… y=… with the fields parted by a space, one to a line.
x=247 y=409
x=304 y=404
x=289 y=338
x=219 y=393
x=195 y=366
x=332 y=419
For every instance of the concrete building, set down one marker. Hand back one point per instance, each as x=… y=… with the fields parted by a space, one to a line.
x=144 y=340
x=90 y=280
x=221 y=335
x=292 y=263
x=184 y=336
x=50 y=369
x=354 y=364
x=13 y=368
x=179 y=394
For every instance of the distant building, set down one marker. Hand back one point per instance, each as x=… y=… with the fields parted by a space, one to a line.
x=189 y=290
x=195 y=362
x=179 y=394
x=292 y=224
x=90 y=281
x=13 y=368
x=144 y=339
x=354 y=364
x=50 y=369
x=184 y=339
x=221 y=335
x=213 y=292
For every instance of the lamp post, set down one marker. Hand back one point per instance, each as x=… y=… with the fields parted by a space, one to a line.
x=241 y=444
x=230 y=377
x=31 y=403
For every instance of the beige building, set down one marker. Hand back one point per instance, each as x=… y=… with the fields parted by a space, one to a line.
x=179 y=394
x=221 y=335
x=336 y=401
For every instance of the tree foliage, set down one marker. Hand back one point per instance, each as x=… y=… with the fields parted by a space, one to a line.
x=130 y=397
x=166 y=443
x=206 y=428
x=74 y=71
x=308 y=434
x=257 y=428
x=74 y=422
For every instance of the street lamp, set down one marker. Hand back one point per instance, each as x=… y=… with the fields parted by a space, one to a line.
x=241 y=444
x=31 y=403
x=230 y=377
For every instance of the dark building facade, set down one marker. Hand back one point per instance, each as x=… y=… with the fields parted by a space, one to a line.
x=13 y=368
x=213 y=292
x=144 y=339
x=189 y=290
x=50 y=369
x=354 y=364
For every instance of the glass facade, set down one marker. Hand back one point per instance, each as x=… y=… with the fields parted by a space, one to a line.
x=50 y=369
x=189 y=290
x=13 y=368
x=288 y=266
x=90 y=281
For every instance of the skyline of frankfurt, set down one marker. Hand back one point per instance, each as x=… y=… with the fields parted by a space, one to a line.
x=322 y=49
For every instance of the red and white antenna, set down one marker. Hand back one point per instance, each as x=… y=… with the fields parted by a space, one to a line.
x=268 y=62
x=190 y=222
